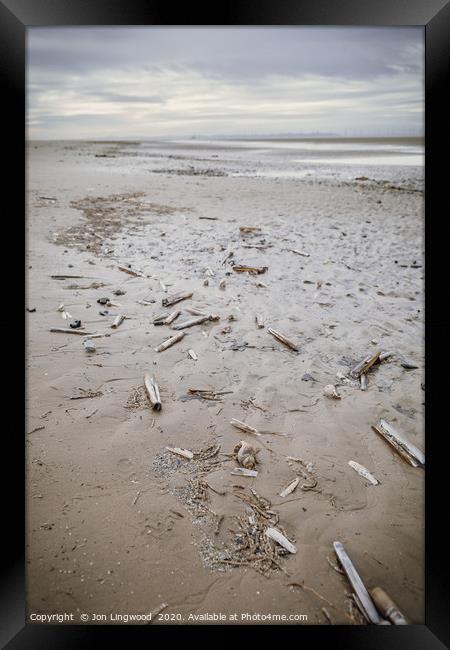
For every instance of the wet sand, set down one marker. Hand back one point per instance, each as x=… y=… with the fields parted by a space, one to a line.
x=117 y=524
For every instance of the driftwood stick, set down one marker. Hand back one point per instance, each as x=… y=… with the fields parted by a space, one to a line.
x=169 y=342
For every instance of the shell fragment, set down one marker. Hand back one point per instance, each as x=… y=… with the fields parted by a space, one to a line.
x=89 y=345
x=169 y=342
x=242 y=471
x=244 y=427
x=406 y=449
x=117 y=321
x=363 y=472
x=280 y=539
x=185 y=453
x=330 y=391
x=283 y=339
x=153 y=392
x=290 y=488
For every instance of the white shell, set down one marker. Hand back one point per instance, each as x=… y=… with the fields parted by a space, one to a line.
x=280 y=539
x=192 y=354
x=246 y=455
x=290 y=488
x=118 y=321
x=330 y=391
x=403 y=442
x=242 y=471
x=89 y=345
x=243 y=426
x=181 y=452
x=362 y=471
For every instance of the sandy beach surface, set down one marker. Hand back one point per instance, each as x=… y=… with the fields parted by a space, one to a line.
x=116 y=523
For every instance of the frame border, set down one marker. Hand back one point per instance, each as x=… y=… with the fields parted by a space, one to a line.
x=434 y=15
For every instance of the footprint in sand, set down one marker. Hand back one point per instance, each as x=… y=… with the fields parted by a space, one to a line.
x=124 y=464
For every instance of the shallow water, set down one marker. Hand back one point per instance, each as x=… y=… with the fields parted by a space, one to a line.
x=398 y=160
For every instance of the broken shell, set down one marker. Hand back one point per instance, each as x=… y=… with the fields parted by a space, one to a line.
x=89 y=345
x=185 y=453
x=152 y=391
x=248 y=461
x=280 y=539
x=363 y=472
x=330 y=391
x=290 y=488
x=244 y=427
x=241 y=471
x=117 y=321
x=259 y=321
x=245 y=454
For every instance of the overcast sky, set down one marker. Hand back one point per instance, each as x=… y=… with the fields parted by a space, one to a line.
x=142 y=82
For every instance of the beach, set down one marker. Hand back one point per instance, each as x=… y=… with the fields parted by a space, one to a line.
x=118 y=524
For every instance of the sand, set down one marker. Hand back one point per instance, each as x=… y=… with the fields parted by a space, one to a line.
x=116 y=524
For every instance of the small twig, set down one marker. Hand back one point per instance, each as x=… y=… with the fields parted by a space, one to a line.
x=222 y=494
x=36 y=429
x=327 y=615
x=333 y=566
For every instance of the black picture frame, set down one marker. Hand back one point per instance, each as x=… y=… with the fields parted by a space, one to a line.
x=434 y=15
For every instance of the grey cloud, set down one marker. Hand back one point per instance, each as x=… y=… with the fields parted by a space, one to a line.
x=194 y=78
x=238 y=53
x=123 y=97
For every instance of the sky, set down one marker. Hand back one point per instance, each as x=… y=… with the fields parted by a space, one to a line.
x=147 y=82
